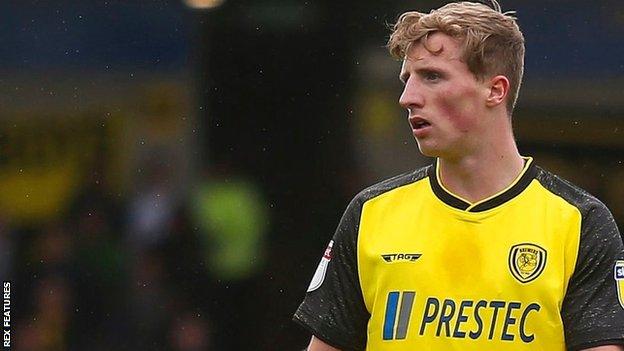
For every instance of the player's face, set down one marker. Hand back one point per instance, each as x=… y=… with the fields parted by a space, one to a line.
x=443 y=98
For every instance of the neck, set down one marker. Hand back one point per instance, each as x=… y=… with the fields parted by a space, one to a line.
x=478 y=176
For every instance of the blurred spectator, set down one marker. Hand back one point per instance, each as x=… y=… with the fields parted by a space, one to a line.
x=53 y=250
x=189 y=332
x=183 y=257
x=152 y=209
x=232 y=218
x=99 y=269
x=48 y=328
x=150 y=301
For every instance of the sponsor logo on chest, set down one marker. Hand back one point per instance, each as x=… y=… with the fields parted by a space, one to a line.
x=400 y=257
x=476 y=319
x=464 y=319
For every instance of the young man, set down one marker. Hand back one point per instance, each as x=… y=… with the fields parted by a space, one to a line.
x=483 y=250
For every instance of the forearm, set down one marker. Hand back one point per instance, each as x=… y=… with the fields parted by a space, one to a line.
x=318 y=345
x=606 y=348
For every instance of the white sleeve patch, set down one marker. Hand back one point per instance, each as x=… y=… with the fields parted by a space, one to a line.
x=321 y=270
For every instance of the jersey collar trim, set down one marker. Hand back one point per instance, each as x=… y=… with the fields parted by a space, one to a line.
x=514 y=189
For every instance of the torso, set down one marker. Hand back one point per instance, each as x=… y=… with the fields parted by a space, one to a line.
x=435 y=277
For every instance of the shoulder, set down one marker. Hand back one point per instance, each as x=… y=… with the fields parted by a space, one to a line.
x=390 y=184
x=598 y=231
x=585 y=202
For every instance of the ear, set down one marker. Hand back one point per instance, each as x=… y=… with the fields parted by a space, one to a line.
x=499 y=89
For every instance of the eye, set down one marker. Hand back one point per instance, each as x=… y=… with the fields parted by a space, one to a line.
x=431 y=76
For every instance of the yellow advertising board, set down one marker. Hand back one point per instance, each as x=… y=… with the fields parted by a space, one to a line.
x=44 y=159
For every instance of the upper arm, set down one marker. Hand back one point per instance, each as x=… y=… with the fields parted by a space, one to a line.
x=592 y=312
x=333 y=308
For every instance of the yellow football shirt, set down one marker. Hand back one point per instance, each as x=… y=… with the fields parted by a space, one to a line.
x=414 y=267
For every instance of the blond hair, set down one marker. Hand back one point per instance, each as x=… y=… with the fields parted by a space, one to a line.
x=492 y=41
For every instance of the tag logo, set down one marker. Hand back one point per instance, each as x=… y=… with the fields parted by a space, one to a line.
x=401 y=257
x=321 y=270
x=619 y=280
x=526 y=262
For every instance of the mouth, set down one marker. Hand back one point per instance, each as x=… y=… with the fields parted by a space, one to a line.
x=418 y=123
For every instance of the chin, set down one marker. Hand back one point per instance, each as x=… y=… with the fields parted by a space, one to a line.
x=428 y=150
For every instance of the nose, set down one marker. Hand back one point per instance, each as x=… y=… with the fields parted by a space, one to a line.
x=411 y=97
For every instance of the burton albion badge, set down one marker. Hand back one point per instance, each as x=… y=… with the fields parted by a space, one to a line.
x=526 y=261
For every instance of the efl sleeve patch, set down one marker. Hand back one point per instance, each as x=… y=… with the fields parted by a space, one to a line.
x=619 y=280
x=321 y=270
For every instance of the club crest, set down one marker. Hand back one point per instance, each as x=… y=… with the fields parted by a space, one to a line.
x=526 y=261
x=619 y=280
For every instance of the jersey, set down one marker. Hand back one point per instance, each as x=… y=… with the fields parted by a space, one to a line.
x=538 y=266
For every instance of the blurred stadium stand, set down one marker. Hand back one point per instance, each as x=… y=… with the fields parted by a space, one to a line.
x=125 y=124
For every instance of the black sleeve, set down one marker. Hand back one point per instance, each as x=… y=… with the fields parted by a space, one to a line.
x=592 y=312
x=333 y=308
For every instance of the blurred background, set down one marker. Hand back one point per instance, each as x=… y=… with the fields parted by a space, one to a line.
x=172 y=170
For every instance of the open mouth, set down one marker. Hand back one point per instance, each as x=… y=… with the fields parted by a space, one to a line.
x=419 y=123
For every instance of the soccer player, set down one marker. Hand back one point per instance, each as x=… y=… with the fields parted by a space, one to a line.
x=483 y=249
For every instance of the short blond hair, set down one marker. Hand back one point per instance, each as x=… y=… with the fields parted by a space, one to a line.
x=492 y=41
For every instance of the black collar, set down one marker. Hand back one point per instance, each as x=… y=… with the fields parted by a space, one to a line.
x=524 y=179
